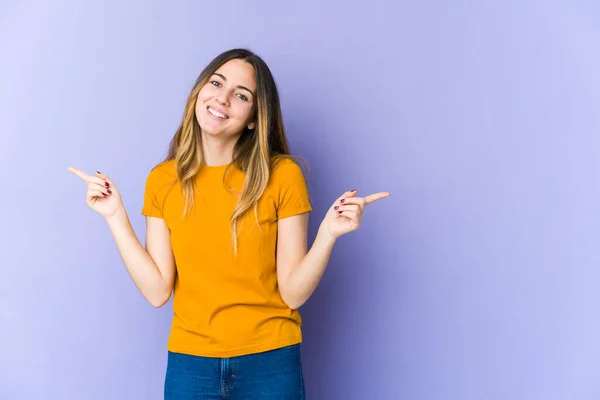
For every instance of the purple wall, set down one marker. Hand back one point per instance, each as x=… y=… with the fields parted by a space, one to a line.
x=478 y=279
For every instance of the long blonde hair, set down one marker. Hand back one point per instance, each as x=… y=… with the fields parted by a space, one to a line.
x=257 y=151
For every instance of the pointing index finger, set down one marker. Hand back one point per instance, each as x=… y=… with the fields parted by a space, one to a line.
x=376 y=196
x=80 y=173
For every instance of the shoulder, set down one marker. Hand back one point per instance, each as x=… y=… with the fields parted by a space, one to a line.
x=284 y=168
x=290 y=186
x=166 y=168
x=163 y=173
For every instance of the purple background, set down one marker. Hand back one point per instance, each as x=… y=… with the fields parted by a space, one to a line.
x=478 y=279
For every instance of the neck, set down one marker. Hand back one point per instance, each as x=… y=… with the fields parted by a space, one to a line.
x=217 y=151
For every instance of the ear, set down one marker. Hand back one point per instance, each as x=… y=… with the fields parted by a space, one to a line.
x=251 y=125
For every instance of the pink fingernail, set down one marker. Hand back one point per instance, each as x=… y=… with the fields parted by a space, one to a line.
x=336 y=207
x=108 y=190
x=342 y=200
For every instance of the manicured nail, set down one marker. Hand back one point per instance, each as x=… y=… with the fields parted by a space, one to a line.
x=97 y=172
x=106 y=184
x=353 y=190
x=339 y=212
x=108 y=190
x=342 y=200
x=336 y=207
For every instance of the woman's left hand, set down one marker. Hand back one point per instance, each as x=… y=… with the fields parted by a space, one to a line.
x=345 y=214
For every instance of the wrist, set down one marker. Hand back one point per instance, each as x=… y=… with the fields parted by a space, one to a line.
x=119 y=215
x=325 y=235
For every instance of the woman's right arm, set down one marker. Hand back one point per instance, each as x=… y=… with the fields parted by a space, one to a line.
x=152 y=269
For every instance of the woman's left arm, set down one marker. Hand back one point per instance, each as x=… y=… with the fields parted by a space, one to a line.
x=299 y=272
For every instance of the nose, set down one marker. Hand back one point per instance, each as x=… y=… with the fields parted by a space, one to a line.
x=222 y=97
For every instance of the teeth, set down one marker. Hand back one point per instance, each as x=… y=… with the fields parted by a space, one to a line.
x=216 y=113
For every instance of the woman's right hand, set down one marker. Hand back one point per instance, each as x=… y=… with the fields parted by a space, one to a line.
x=102 y=195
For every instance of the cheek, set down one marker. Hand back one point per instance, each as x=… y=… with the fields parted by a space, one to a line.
x=203 y=95
x=244 y=111
x=198 y=109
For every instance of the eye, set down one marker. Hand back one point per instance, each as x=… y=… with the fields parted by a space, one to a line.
x=215 y=83
x=242 y=97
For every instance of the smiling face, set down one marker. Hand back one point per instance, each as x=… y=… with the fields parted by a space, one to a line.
x=226 y=103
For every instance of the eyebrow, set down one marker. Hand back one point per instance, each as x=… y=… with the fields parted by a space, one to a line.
x=239 y=86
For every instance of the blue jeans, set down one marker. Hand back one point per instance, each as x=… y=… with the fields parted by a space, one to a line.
x=270 y=375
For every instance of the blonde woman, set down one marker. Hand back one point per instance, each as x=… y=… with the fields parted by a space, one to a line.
x=226 y=233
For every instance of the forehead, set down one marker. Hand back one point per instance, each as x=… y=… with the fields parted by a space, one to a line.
x=238 y=72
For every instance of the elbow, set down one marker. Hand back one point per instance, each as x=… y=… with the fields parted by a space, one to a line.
x=292 y=305
x=292 y=302
x=157 y=304
x=293 y=295
x=159 y=301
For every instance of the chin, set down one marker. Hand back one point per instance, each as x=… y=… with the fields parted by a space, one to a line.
x=210 y=131
x=207 y=127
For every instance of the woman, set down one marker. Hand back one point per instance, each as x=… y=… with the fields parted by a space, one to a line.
x=226 y=232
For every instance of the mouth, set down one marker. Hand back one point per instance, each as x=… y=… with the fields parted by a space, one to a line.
x=216 y=113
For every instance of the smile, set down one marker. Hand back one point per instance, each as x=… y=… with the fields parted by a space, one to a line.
x=216 y=113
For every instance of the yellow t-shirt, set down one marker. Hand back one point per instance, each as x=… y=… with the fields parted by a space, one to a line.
x=226 y=306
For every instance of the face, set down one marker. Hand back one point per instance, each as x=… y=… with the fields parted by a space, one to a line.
x=225 y=104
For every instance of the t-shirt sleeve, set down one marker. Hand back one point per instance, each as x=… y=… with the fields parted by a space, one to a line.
x=153 y=200
x=293 y=192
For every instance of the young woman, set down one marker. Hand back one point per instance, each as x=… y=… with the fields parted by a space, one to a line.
x=226 y=232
